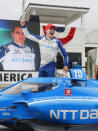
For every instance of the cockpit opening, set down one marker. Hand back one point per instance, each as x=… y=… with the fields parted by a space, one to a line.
x=34 y=87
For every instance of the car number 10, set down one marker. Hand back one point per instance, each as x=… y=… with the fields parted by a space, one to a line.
x=78 y=73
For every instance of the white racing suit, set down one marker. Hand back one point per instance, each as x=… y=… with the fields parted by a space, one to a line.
x=48 y=50
x=17 y=57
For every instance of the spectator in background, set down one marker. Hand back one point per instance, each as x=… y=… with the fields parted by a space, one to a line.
x=17 y=55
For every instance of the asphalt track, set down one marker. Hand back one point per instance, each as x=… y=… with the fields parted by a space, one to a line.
x=78 y=128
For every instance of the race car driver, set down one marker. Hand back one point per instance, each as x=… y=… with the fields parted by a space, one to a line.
x=49 y=47
x=16 y=55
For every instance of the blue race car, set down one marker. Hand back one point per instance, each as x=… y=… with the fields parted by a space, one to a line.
x=63 y=101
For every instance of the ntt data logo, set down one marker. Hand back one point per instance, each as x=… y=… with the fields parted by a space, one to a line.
x=81 y=114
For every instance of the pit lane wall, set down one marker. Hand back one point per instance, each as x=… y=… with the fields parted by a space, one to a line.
x=8 y=78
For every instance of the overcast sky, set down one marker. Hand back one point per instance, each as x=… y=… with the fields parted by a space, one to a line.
x=12 y=9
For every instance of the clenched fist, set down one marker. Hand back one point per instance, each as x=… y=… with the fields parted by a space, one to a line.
x=65 y=68
x=22 y=22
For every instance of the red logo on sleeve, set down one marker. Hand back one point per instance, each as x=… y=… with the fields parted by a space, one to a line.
x=67 y=92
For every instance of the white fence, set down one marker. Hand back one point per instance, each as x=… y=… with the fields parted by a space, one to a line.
x=91 y=36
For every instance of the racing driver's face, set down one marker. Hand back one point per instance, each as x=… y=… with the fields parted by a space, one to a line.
x=50 y=32
x=18 y=35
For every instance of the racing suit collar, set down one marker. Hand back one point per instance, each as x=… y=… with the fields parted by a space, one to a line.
x=47 y=38
x=18 y=45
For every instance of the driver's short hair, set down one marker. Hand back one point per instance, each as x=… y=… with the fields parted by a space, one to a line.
x=14 y=26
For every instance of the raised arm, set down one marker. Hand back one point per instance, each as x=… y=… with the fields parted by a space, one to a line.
x=27 y=34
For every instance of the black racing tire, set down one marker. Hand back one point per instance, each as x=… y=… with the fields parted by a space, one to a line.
x=24 y=127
